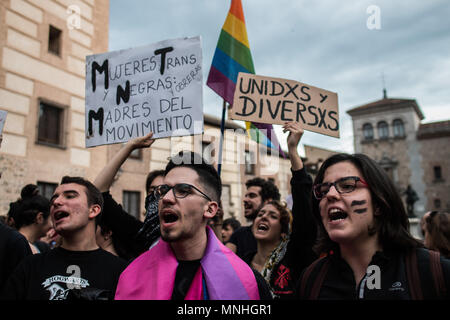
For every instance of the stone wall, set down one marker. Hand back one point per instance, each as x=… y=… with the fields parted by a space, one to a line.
x=436 y=152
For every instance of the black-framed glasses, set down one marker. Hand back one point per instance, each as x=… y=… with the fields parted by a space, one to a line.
x=342 y=185
x=151 y=189
x=180 y=190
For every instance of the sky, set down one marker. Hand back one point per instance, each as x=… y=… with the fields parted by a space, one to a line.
x=354 y=48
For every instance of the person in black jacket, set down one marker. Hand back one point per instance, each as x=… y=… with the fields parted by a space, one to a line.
x=369 y=252
x=282 y=253
x=131 y=235
x=14 y=248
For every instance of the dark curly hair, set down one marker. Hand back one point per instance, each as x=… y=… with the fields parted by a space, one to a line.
x=285 y=215
x=269 y=191
x=25 y=210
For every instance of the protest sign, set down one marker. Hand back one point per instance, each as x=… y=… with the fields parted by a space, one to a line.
x=3 y=115
x=154 y=88
x=274 y=100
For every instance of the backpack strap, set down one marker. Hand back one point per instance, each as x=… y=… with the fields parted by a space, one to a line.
x=318 y=281
x=436 y=271
x=412 y=272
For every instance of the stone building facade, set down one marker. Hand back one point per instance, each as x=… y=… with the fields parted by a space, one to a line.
x=434 y=139
x=314 y=157
x=390 y=131
x=43 y=45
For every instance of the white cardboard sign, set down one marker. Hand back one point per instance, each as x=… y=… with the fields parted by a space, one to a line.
x=274 y=100
x=155 y=88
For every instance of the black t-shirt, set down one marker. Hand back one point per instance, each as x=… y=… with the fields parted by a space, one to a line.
x=13 y=249
x=245 y=242
x=185 y=273
x=50 y=276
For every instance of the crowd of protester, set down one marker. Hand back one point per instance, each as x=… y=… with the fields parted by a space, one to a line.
x=344 y=236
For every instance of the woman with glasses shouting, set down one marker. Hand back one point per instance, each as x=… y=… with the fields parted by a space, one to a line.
x=368 y=252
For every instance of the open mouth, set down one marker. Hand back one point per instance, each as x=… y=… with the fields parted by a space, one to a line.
x=336 y=214
x=60 y=215
x=262 y=227
x=169 y=216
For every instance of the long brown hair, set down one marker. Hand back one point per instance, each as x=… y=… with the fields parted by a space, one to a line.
x=438 y=227
x=391 y=224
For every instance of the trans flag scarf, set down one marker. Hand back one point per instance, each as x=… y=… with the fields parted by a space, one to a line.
x=151 y=276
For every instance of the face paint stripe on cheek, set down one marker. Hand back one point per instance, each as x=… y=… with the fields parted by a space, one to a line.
x=358 y=203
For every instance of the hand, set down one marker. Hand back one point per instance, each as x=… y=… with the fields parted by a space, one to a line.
x=141 y=142
x=295 y=133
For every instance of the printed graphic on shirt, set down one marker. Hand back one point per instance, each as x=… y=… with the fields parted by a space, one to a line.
x=396 y=286
x=59 y=286
x=282 y=279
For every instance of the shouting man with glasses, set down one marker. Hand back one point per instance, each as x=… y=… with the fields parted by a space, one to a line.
x=189 y=262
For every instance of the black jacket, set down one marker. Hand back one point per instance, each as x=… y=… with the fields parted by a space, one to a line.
x=339 y=282
x=13 y=249
x=299 y=253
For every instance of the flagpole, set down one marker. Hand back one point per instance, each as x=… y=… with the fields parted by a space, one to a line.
x=222 y=129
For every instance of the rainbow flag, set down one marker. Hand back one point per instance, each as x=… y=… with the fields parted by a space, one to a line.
x=232 y=56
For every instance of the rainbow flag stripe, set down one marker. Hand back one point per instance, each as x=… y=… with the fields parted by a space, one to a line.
x=232 y=56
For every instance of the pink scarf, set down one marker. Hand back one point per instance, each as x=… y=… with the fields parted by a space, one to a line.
x=151 y=276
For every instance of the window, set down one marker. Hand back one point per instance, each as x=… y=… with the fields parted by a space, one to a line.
x=383 y=130
x=390 y=173
x=46 y=189
x=54 y=40
x=249 y=163
x=50 y=124
x=437 y=203
x=368 y=131
x=437 y=173
x=132 y=203
x=399 y=129
x=226 y=197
